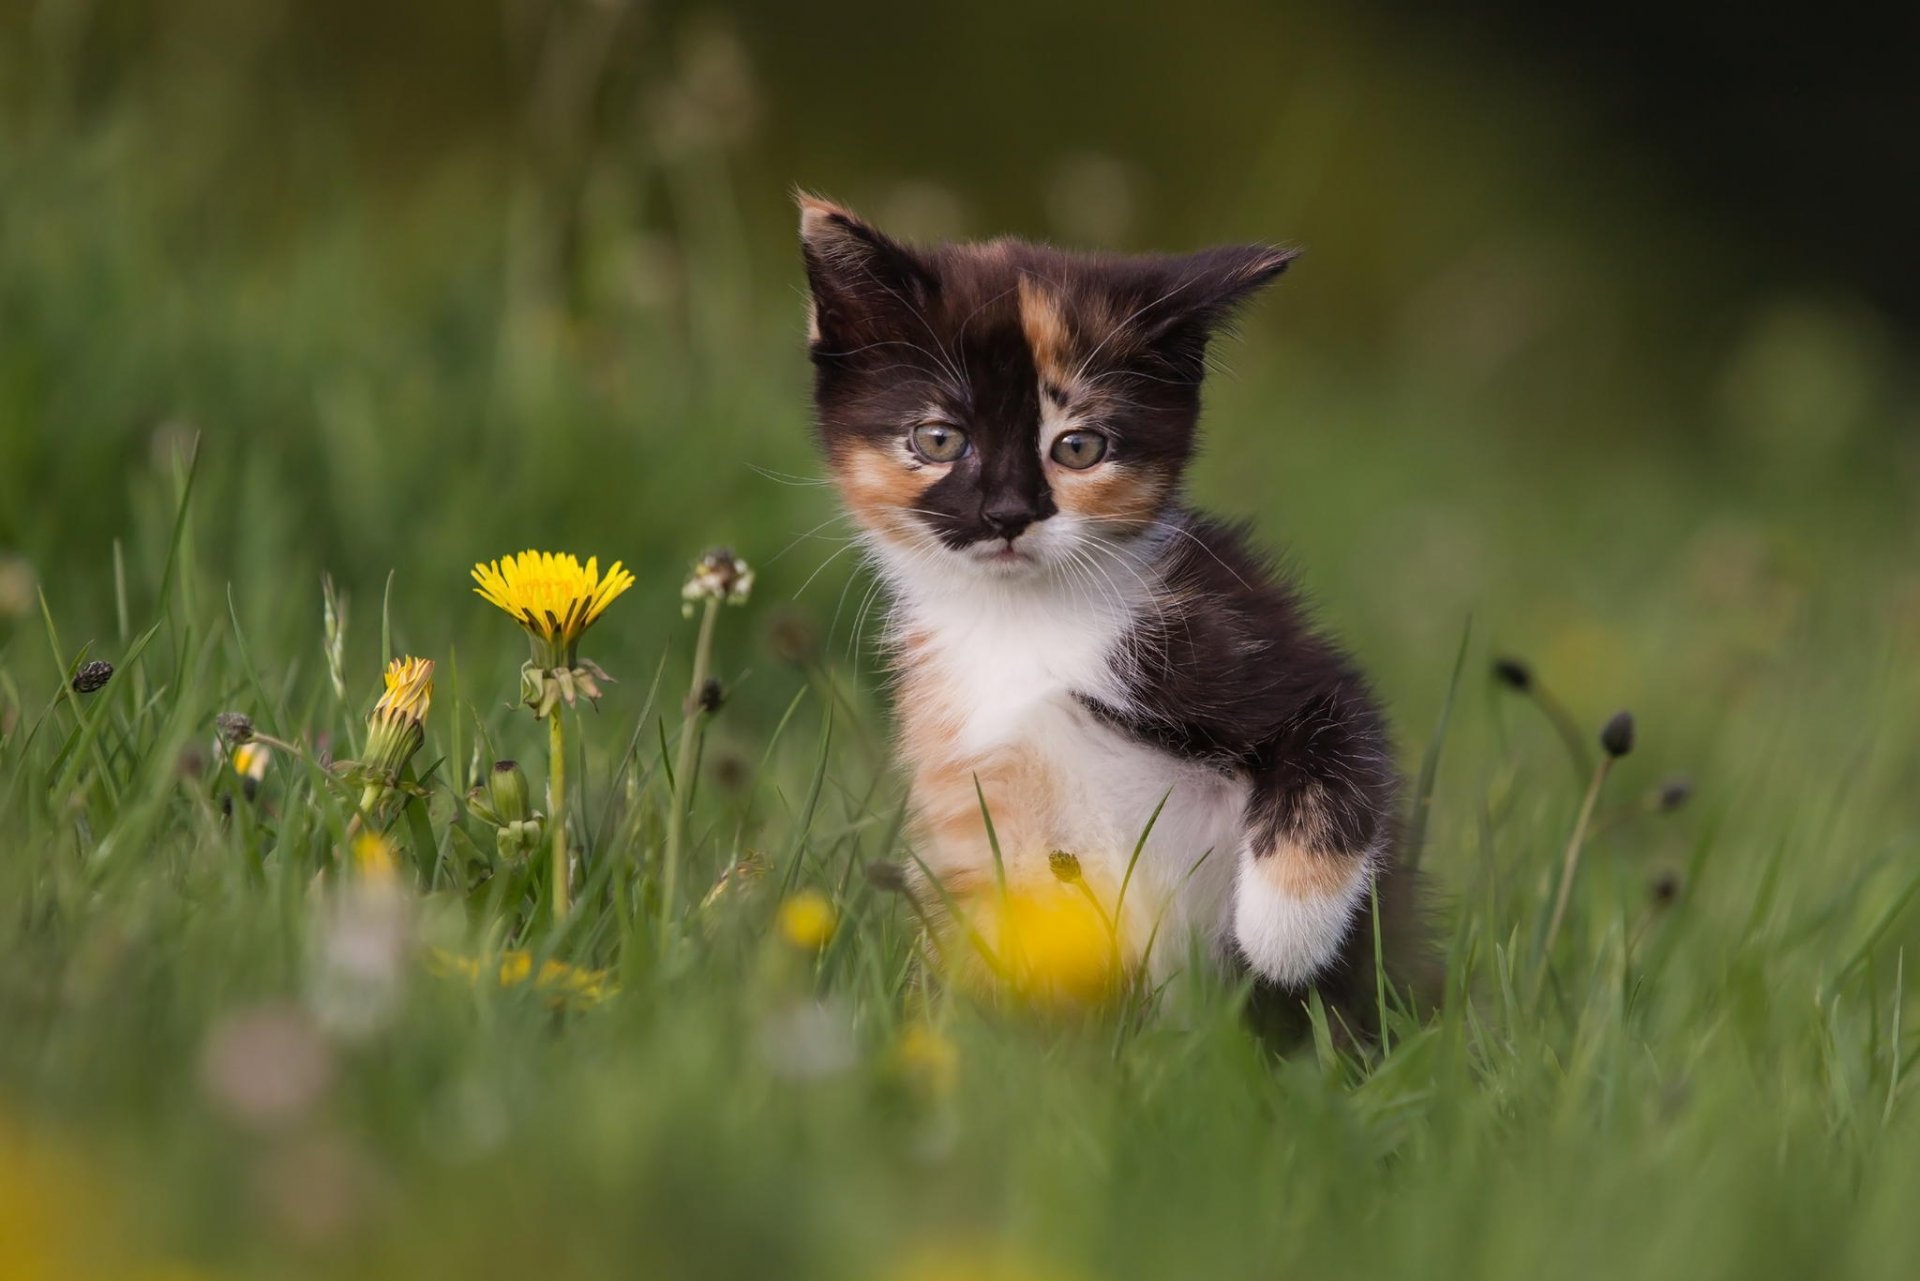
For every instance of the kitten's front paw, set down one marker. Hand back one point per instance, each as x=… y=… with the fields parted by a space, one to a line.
x=1293 y=907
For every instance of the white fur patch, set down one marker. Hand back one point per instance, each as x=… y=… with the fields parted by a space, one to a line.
x=1023 y=648
x=1290 y=938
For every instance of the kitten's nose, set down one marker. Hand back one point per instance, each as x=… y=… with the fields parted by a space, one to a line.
x=1006 y=517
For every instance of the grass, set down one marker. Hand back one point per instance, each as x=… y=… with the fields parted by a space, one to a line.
x=210 y=1060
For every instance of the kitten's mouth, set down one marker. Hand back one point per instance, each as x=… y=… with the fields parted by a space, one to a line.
x=1001 y=553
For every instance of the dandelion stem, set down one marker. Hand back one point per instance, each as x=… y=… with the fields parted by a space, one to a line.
x=1570 y=864
x=683 y=767
x=557 y=811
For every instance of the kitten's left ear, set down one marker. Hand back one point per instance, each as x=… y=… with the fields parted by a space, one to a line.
x=863 y=283
x=1200 y=292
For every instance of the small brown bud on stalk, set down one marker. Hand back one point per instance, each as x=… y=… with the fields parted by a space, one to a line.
x=890 y=878
x=1065 y=867
x=1513 y=673
x=1519 y=677
x=1673 y=793
x=1616 y=738
x=887 y=877
x=92 y=676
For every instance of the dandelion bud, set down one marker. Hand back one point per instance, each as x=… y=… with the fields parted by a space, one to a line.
x=887 y=877
x=1513 y=673
x=507 y=791
x=1065 y=867
x=719 y=575
x=234 y=728
x=397 y=727
x=92 y=676
x=1617 y=737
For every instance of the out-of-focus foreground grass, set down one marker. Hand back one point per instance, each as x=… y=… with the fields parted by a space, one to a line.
x=1666 y=494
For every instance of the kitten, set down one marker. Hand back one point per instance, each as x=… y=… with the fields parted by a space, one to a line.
x=1009 y=425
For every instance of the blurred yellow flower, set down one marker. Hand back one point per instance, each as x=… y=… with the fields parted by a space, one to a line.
x=250 y=761
x=806 y=920
x=551 y=595
x=1048 y=945
x=560 y=983
x=924 y=1054
x=60 y=1217
x=963 y=1261
x=373 y=858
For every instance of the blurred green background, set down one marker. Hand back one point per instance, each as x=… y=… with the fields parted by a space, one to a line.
x=436 y=280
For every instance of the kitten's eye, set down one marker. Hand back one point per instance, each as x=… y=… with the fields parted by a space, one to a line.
x=1079 y=449
x=938 y=443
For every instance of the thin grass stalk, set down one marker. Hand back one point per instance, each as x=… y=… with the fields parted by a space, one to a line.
x=683 y=767
x=1570 y=865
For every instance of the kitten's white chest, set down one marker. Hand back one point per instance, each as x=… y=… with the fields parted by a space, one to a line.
x=993 y=692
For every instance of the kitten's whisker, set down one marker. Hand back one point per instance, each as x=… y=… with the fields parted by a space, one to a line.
x=822 y=568
x=787 y=478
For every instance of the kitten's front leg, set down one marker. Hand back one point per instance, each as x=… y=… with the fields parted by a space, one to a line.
x=1318 y=823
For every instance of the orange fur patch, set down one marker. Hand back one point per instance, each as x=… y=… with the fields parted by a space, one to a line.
x=1020 y=787
x=1301 y=872
x=876 y=485
x=1045 y=326
x=1301 y=865
x=1124 y=497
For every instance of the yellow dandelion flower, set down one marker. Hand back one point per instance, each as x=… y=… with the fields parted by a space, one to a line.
x=560 y=983
x=397 y=726
x=806 y=920
x=551 y=595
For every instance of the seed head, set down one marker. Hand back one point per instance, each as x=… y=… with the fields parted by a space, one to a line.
x=1617 y=737
x=718 y=575
x=1513 y=673
x=92 y=676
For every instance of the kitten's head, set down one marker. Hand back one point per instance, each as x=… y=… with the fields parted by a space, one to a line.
x=1007 y=408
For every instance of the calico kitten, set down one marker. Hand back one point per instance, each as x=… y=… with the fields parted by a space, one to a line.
x=1009 y=425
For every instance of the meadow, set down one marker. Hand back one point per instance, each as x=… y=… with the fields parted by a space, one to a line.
x=246 y=1029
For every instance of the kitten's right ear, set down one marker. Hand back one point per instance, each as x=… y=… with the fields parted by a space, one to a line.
x=864 y=284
